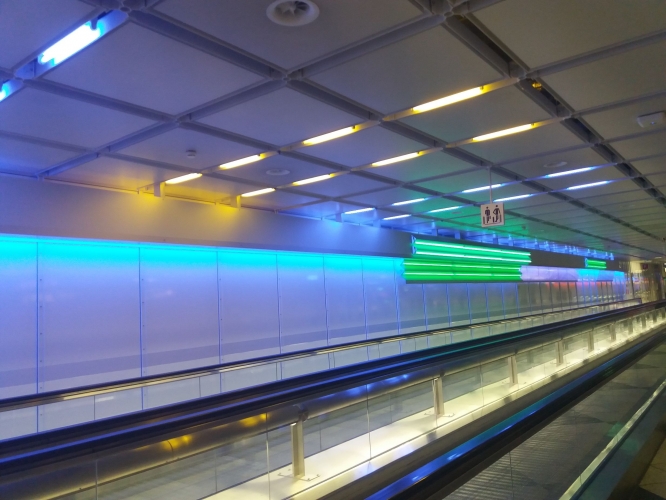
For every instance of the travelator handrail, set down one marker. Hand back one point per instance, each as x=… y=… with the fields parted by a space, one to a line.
x=217 y=420
x=50 y=397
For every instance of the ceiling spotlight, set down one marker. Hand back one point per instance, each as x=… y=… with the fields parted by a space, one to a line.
x=277 y=171
x=292 y=12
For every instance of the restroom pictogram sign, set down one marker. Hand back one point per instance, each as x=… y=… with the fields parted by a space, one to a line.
x=492 y=214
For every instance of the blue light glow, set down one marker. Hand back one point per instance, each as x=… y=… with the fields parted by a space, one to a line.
x=519 y=197
x=583 y=186
x=482 y=188
x=397 y=203
x=66 y=47
x=444 y=209
x=397 y=217
x=4 y=91
x=360 y=210
x=568 y=172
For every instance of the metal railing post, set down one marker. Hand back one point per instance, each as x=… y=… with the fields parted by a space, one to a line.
x=590 y=341
x=297 y=449
x=513 y=369
x=559 y=360
x=613 y=335
x=438 y=396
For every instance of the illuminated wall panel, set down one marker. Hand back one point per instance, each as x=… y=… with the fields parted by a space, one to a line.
x=380 y=297
x=345 y=306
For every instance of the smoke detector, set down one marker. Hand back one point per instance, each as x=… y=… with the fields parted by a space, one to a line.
x=191 y=153
x=292 y=12
x=651 y=120
x=556 y=164
x=278 y=171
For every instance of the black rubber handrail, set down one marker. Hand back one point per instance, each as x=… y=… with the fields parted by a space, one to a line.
x=51 y=397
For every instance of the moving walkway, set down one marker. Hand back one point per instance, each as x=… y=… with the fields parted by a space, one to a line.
x=342 y=431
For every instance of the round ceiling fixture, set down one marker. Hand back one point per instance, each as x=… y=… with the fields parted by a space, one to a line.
x=191 y=153
x=556 y=164
x=277 y=171
x=292 y=12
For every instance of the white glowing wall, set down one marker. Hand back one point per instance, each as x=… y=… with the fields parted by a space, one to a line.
x=77 y=313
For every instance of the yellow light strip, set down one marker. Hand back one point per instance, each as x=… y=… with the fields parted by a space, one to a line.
x=502 y=133
x=445 y=101
x=241 y=162
x=258 y=192
x=313 y=179
x=396 y=159
x=183 y=178
x=330 y=136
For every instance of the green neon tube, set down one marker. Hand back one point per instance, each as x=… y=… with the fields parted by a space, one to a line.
x=474 y=257
x=468 y=248
x=595 y=264
x=458 y=265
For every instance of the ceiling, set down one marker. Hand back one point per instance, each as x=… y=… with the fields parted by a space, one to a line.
x=223 y=81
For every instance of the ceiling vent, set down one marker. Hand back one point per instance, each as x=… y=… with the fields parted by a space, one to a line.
x=278 y=171
x=651 y=120
x=292 y=12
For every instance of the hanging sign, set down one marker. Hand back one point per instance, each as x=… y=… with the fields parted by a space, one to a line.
x=492 y=214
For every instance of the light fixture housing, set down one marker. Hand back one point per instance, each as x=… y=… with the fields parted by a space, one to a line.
x=445 y=101
x=502 y=133
x=242 y=161
x=70 y=44
x=396 y=159
x=257 y=192
x=313 y=179
x=184 y=178
x=330 y=136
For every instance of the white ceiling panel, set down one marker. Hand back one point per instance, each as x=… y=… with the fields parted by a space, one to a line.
x=655 y=165
x=210 y=189
x=543 y=31
x=548 y=164
x=419 y=69
x=549 y=205
x=292 y=170
x=29 y=158
x=503 y=192
x=597 y=197
x=468 y=180
x=342 y=185
x=281 y=117
x=621 y=121
x=171 y=147
x=364 y=147
x=69 y=121
x=451 y=214
x=28 y=26
x=647 y=145
x=327 y=209
x=423 y=167
x=615 y=187
x=386 y=197
x=539 y=140
x=113 y=172
x=496 y=110
x=161 y=74
x=246 y=25
x=626 y=75
x=277 y=200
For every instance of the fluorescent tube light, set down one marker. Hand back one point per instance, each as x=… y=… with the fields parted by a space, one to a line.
x=258 y=192
x=183 y=178
x=397 y=217
x=360 y=210
x=568 y=172
x=583 y=186
x=330 y=136
x=482 y=188
x=502 y=133
x=77 y=40
x=312 y=179
x=445 y=101
x=519 y=197
x=443 y=209
x=395 y=160
x=241 y=162
x=398 y=203
x=3 y=91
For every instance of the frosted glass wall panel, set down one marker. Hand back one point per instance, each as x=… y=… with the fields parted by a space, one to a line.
x=411 y=307
x=302 y=302
x=546 y=298
x=510 y=299
x=524 y=307
x=380 y=298
x=437 y=305
x=249 y=316
x=180 y=309
x=556 y=293
x=344 y=299
x=535 y=297
x=495 y=304
x=478 y=304
x=89 y=314
x=580 y=293
x=18 y=319
x=459 y=304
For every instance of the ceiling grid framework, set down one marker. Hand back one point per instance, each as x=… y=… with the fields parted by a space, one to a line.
x=220 y=80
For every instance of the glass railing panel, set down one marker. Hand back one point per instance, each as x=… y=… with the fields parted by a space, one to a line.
x=496 y=380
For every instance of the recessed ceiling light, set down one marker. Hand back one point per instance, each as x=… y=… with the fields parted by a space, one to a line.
x=556 y=164
x=277 y=171
x=292 y=12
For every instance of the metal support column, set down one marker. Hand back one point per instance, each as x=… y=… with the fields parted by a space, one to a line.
x=559 y=359
x=513 y=369
x=590 y=341
x=438 y=396
x=297 y=449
